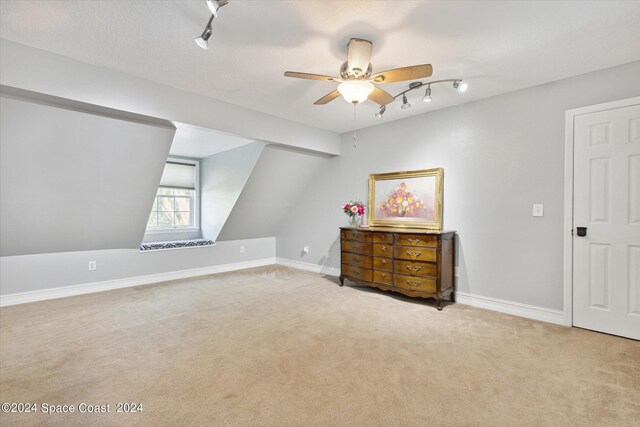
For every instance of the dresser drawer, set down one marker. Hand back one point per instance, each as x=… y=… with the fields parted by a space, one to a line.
x=383 y=263
x=415 y=253
x=356 y=247
x=357 y=236
x=415 y=268
x=356 y=260
x=383 y=238
x=382 y=249
x=412 y=283
x=415 y=240
x=356 y=273
x=385 y=277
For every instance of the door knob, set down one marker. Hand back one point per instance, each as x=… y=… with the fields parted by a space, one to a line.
x=581 y=231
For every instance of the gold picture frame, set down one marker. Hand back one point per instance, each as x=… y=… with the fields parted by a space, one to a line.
x=411 y=199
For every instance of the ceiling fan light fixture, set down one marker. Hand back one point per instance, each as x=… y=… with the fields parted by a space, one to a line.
x=379 y=114
x=355 y=91
x=427 y=94
x=405 y=102
x=461 y=85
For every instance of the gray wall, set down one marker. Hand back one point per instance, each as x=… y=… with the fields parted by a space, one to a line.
x=222 y=178
x=274 y=188
x=37 y=272
x=74 y=181
x=500 y=155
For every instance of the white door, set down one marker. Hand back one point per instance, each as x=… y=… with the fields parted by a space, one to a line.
x=606 y=261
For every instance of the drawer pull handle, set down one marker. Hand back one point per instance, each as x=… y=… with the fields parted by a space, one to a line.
x=384 y=249
x=383 y=275
x=356 y=259
x=356 y=272
x=414 y=253
x=414 y=241
x=354 y=236
x=414 y=268
x=413 y=282
x=356 y=248
x=383 y=261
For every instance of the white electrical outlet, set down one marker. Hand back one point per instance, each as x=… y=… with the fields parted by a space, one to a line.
x=305 y=249
x=241 y=249
x=93 y=265
x=538 y=210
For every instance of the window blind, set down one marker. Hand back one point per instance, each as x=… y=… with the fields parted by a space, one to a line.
x=179 y=175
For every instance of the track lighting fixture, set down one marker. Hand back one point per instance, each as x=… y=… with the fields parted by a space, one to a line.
x=405 y=102
x=427 y=94
x=458 y=84
x=203 y=40
x=461 y=85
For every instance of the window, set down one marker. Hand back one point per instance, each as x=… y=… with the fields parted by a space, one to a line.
x=176 y=204
x=172 y=209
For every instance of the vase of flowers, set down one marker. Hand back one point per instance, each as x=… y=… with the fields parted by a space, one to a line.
x=354 y=210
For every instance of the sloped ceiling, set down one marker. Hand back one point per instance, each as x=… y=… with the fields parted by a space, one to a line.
x=223 y=177
x=197 y=143
x=274 y=188
x=499 y=46
x=74 y=180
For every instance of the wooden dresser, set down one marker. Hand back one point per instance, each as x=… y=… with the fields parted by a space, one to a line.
x=414 y=262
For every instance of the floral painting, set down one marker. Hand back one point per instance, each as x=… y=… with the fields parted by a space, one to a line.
x=406 y=199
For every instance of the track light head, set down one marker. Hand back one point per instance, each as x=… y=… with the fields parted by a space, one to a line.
x=427 y=94
x=214 y=5
x=461 y=85
x=405 y=102
x=203 y=40
x=379 y=114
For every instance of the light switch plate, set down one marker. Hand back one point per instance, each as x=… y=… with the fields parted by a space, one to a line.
x=538 y=210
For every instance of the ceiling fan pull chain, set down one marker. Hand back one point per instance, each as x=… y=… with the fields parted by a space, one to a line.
x=354 y=125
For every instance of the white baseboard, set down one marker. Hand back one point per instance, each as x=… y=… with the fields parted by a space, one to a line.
x=330 y=271
x=510 y=307
x=67 y=291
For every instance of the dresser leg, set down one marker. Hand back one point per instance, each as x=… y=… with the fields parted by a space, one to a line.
x=341 y=281
x=438 y=303
x=452 y=297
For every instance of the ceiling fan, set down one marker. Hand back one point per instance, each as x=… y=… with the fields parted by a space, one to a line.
x=357 y=83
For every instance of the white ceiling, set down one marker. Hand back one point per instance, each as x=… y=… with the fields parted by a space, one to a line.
x=198 y=143
x=497 y=46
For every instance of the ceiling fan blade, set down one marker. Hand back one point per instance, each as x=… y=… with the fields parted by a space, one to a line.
x=327 y=98
x=359 y=56
x=415 y=72
x=311 y=76
x=380 y=97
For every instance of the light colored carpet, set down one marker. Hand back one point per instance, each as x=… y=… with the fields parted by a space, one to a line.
x=275 y=346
